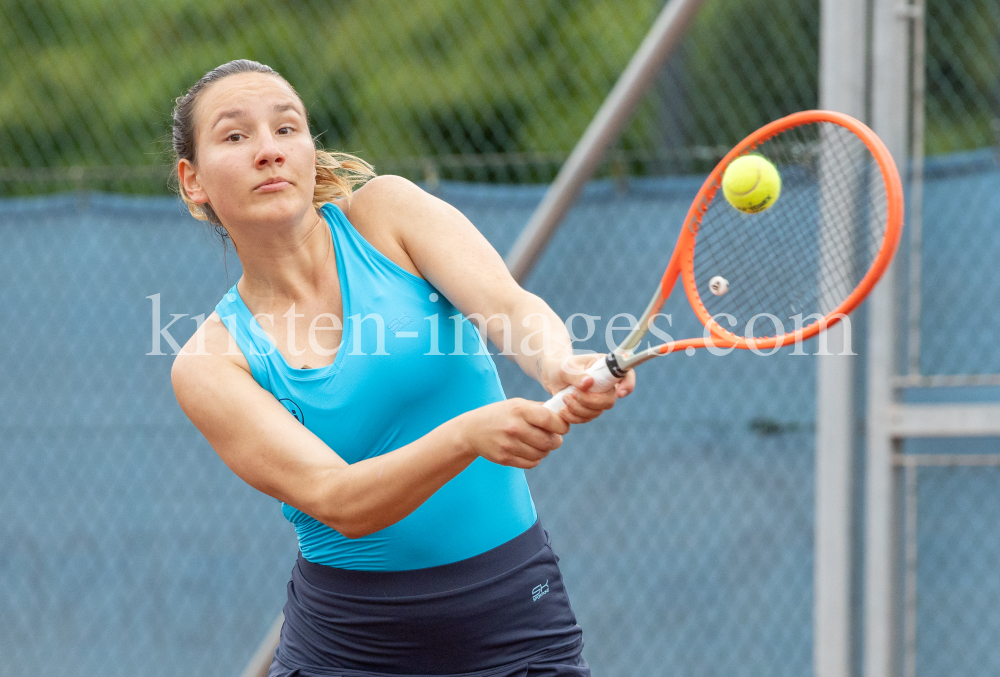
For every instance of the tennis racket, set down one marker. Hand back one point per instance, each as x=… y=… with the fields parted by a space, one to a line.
x=774 y=278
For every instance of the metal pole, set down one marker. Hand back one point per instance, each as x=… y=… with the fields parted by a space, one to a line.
x=915 y=208
x=260 y=662
x=910 y=578
x=843 y=80
x=614 y=113
x=890 y=108
x=915 y=222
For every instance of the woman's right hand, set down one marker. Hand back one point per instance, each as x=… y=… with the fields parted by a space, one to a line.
x=515 y=432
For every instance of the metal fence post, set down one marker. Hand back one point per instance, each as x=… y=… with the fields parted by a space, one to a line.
x=843 y=80
x=890 y=107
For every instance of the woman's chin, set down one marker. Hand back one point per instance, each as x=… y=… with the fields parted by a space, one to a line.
x=277 y=209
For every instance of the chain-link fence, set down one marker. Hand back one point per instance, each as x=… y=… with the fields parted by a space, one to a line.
x=949 y=623
x=484 y=90
x=953 y=196
x=129 y=548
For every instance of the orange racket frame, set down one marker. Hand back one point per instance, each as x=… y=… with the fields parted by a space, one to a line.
x=682 y=261
x=608 y=371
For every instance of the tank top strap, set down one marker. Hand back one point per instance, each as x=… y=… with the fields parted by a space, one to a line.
x=365 y=268
x=347 y=242
x=255 y=345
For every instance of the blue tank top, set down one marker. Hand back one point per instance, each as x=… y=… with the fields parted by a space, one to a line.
x=399 y=373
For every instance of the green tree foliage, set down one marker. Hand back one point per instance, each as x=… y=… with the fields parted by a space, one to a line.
x=91 y=82
x=963 y=75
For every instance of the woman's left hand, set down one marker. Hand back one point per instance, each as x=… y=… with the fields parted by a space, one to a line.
x=582 y=405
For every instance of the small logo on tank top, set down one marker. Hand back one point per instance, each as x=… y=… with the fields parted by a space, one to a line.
x=293 y=409
x=398 y=324
x=539 y=590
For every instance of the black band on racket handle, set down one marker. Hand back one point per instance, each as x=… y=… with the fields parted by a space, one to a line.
x=613 y=367
x=605 y=374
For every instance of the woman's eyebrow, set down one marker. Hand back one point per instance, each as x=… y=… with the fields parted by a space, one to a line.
x=229 y=114
x=284 y=107
x=232 y=113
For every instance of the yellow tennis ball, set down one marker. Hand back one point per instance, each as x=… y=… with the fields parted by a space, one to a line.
x=751 y=184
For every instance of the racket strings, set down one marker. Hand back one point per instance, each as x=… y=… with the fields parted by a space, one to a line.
x=791 y=265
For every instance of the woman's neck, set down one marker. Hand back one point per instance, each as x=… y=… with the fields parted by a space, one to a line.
x=285 y=264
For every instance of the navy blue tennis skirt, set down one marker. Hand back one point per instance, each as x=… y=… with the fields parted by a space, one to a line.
x=504 y=613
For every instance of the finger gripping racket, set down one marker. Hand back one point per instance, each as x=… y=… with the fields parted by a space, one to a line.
x=780 y=276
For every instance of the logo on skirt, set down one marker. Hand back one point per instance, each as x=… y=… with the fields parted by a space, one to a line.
x=539 y=590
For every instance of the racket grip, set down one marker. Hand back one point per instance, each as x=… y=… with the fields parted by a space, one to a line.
x=604 y=381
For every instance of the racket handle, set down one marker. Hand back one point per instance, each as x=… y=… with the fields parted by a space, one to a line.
x=604 y=381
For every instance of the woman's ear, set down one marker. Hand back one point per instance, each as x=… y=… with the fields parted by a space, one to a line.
x=188 y=177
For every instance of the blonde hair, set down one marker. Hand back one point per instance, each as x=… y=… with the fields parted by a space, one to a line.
x=337 y=174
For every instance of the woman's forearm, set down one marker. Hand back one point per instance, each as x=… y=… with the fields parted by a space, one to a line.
x=536 y=333
x=375 y=493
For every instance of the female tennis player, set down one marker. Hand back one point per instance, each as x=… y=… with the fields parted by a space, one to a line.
x=339 y=376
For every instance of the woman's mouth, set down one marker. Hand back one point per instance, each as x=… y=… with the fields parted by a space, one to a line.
x=272 y=185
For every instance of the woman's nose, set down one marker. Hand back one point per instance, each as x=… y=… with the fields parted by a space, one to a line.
x=269 y=153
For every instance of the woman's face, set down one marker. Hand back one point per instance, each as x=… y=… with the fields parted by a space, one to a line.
x=255 y=159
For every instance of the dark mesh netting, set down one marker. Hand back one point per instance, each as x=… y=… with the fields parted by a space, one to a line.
x=796 y=262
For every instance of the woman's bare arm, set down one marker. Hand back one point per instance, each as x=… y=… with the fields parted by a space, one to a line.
x=441 y=244
x=264 y=445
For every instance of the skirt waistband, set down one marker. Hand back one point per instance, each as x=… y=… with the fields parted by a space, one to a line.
x=431 y=580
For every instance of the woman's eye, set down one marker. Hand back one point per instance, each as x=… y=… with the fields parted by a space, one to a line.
x=234 y=137
x=285 y=130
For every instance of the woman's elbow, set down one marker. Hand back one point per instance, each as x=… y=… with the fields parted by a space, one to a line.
x=348 y=525
x=352 y=534
x=350 y=529
x=338 y=505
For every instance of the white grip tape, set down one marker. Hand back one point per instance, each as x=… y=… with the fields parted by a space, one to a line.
x=604 y=381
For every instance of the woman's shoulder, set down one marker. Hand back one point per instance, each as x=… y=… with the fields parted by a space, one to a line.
x=381 y=210
x=380 y=198
x=211 y=345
